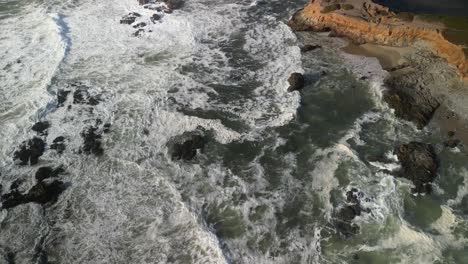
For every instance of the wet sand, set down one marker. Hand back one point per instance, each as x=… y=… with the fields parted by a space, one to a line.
x=389 y=57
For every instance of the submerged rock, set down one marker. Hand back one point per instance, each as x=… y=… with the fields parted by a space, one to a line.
x=30 y=151
x=348 y=212
x=91 y=141
x=41 y=127
x=62 y=96
x=48 y=172
x=187 y=150
x=58 y=144
x=410 y=100
x=41 y=193
x=307 y=48
x=155 y=17
x=129 y=19
x=419 y=164
x=82 y=96
x=296 y=82
x=452 y=143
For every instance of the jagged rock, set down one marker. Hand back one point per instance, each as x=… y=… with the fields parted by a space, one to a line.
x=410 y=99
x=41 y=127
x=41 y=193
x=296 y=82
x=91 y=141
x=419 y=164
x=62 y=96
x=58 y=144
x=188 y=149
x=307 y=48
x=48 y=172
x=82 y=96
x=30 y=151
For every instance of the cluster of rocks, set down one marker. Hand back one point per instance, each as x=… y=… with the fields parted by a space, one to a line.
x=158 y=10
x=46 y=190
x=345 y=214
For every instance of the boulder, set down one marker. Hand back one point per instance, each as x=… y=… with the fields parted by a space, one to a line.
x=187 y=149
x=140 y=25
x=91 y=141
x=155 y=17
x=41 y=127
x=30 y=151
x=410 y=100
x=419 y=164
x=296 y=82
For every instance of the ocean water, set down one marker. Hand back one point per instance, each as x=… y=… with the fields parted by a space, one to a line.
x=276 y=166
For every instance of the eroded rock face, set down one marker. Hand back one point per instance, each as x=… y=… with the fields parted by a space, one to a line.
x=419 y=164
x=30 y=151
x=410 y=100
x=187 y=149
x=296 y=82
x=41 y=193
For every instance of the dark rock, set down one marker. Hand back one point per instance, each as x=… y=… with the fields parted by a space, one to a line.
x=62 y=96
x=188 y=149
x=174 y=4
x=41 y=127
x=410 y=100
x=48 y=172
x=452 y=143
x=419 y=164
x=106 y=128
x=129 y=19
x=40 y=193
x=296 y=82
x=91 y=141
x=155 y=17
x=30 y=151
x=345 y=214
x=307 y=48
x=138 y=32
x=58 y=144
x=82 y=96
x=16 y=184
x=135 y=14
x=140 y=25
x=167 y=11
x=143 y=2
x=451 y=133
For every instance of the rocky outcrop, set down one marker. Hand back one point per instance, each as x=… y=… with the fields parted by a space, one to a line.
x=410 y=99
x=419 y=165
x=371 y=23
x=41 y=193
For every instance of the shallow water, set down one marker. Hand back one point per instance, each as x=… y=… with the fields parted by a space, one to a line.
x=434 y=7
x=276 y=167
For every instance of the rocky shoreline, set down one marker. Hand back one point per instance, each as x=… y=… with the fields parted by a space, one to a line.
x=420 y=85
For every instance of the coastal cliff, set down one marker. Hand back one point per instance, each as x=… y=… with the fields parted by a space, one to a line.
x=363 y=21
